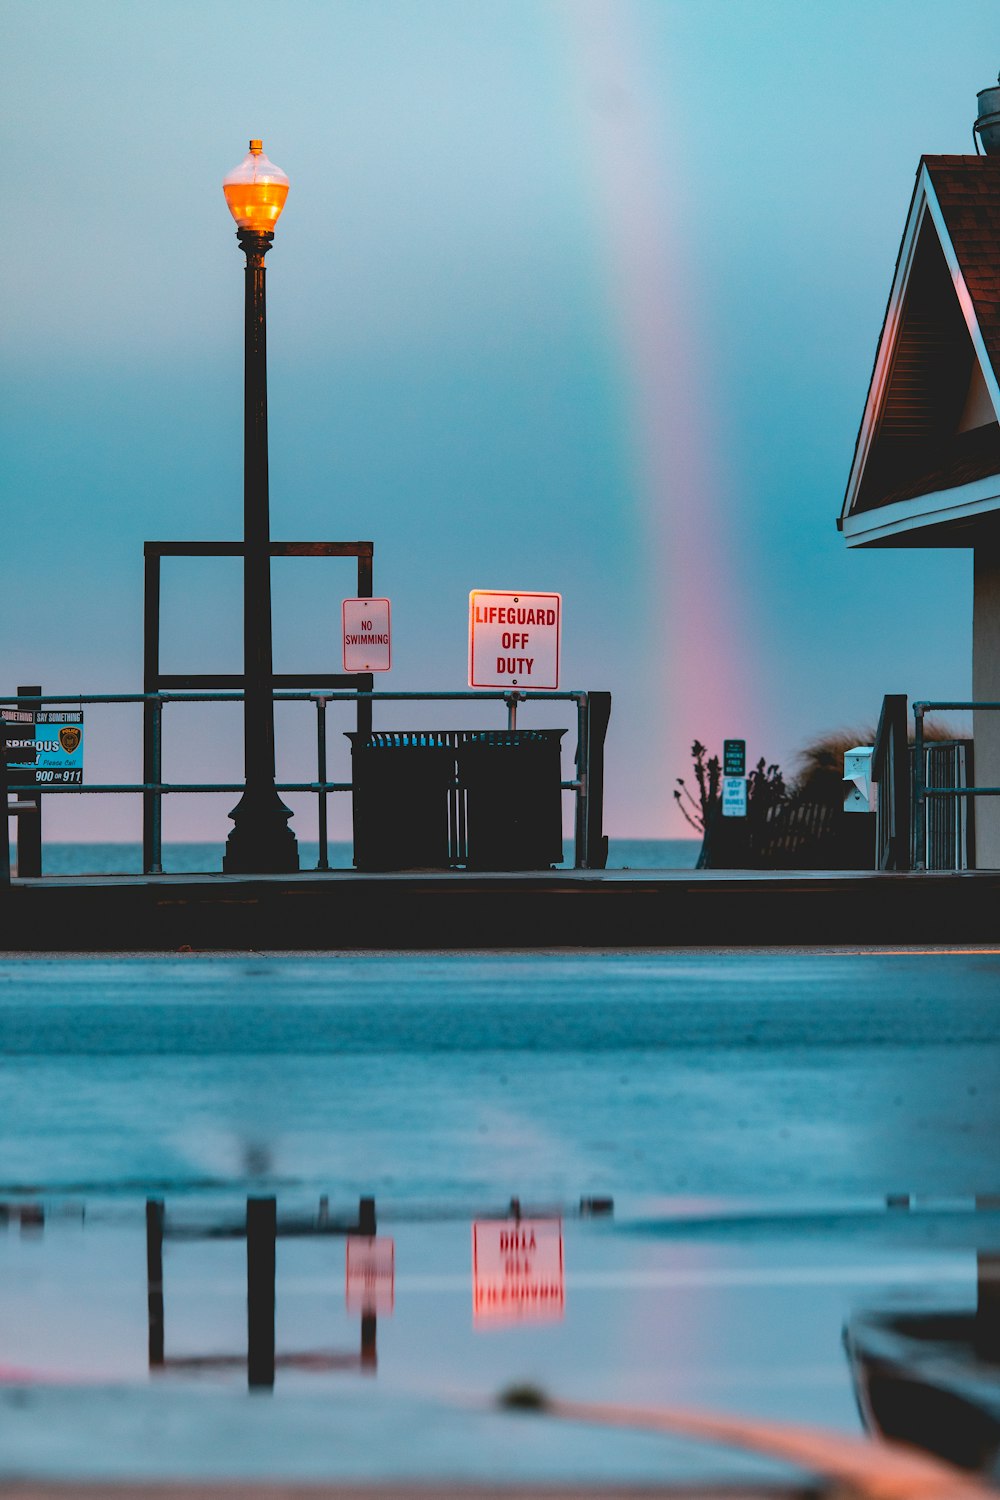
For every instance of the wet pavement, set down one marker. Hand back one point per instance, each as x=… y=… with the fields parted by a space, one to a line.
x=788 y=1141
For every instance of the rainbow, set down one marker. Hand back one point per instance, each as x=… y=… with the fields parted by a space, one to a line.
x=696 y=594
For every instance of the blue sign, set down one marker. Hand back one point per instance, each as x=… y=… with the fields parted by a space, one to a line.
x=43 y=747
x=734 y=758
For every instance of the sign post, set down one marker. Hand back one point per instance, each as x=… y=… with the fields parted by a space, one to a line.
x=514 y=640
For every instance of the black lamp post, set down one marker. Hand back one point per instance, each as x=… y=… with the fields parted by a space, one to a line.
x=261 y=840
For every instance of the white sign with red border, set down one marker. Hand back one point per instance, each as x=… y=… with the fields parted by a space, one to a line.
x=517 y=1270
x=371 y=1274
x=367 y=632
x=514 y=640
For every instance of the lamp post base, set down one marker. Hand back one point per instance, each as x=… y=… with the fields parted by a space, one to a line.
x=261 y=842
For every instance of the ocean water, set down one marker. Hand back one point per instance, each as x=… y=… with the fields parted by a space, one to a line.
x=464 y=1079
x=125 y=859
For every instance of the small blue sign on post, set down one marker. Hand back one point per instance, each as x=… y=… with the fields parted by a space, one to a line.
x=43 y=747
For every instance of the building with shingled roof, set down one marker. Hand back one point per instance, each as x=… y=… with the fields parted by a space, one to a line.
x=926 y=469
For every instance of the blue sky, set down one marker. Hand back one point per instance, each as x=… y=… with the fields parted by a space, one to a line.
x=579 y=296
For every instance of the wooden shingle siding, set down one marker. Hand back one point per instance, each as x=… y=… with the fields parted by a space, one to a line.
x=968 y=190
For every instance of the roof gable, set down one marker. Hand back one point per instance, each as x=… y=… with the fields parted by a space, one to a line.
x=929 y=424
x=967 y=197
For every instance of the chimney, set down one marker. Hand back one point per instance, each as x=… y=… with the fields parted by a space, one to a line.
x=987 y=126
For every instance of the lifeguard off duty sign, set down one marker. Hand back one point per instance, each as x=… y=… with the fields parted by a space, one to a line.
x=514 y=640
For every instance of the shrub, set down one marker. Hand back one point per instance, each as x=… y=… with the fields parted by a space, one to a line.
x=708 y=776
x=820 y=763
x=765 y=789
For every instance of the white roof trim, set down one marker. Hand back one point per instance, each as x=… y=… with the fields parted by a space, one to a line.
x=924 y=202
x=887 y=344
x=964 y=299
x=901 y=516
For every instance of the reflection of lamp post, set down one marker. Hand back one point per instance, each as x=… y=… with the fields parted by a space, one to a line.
x=261 y=839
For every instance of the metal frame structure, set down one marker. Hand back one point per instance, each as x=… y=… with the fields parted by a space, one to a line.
x=261 y=1228
x=155 y=681
x=593 y=710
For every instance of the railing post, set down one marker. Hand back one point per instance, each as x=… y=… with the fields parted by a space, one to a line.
x=323 y=863
x=156 y=807
x=901 y=780
x=151 y=804
x=919 y=793
x=4 y=814
x=580 y=840
x=598 y=715
x=891 y=766
x=365 y=583
x=29 y=824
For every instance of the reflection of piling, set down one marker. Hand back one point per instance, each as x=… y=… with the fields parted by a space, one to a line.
x=154 y=1278
x=261 y=1230
x=32 y=1217
x=366 y=1216
x=369 y=1350
x=988 y=1306
x=596 y=1208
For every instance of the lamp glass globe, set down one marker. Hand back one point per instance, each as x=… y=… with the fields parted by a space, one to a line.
x=255 y=190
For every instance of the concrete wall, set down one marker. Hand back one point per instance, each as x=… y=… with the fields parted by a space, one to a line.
x=986 y=684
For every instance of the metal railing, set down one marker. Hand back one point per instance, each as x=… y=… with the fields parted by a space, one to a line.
x=891 y=771
x=949 y=831
x=592 y=712
x=921 y=791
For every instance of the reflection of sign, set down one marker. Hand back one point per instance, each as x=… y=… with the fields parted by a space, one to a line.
x=367 y=635
x=371 y=1274
x=514 y=640
x=43 y=747
x=734 y=797
x=517 y=1270
x=734 y=757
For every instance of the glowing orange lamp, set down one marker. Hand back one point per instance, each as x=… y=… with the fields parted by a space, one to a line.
x=255 y=190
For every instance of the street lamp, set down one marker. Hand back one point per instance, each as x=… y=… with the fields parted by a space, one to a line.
x=261 y=840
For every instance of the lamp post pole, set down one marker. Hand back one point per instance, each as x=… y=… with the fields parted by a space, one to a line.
x=261 y=840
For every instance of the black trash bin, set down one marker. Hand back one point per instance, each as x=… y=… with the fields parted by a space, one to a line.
x=403 y=781
x=511 y=780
